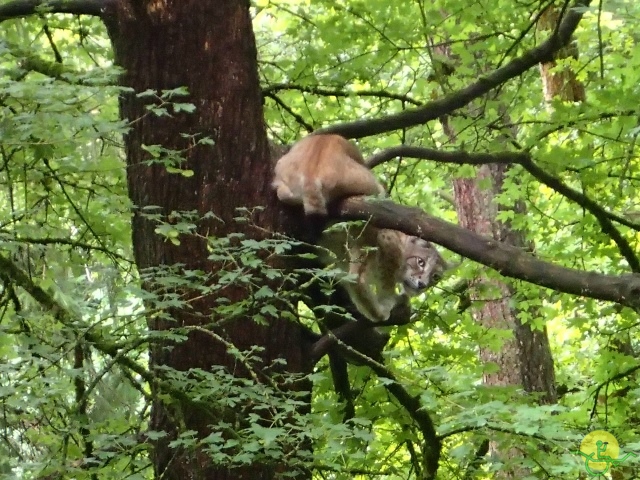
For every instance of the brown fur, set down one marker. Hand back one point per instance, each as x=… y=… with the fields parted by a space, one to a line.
x=320 y=169
x=380 y=259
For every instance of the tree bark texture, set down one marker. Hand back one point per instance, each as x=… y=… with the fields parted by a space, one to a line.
x=526 y=359
x=559 y=83
x=207 y=46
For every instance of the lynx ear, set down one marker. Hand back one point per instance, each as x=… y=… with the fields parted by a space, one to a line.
x=420 y=242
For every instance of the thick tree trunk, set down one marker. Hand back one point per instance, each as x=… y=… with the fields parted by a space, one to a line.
x=207 y=46
x=526 y=359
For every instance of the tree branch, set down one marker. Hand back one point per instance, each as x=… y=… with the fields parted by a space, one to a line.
x=11 y=272
x=506 y=259
x=400 y=315
x=604 y=218
x=24 y=8
x=431 y=442
x=432 y=110
x=618 y=376
x=74 y=244
x=339 y=93
x=458 y=157
x=289 y=110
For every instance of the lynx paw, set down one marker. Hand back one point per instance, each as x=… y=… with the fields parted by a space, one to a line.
x=285 y=195
x=401 y=312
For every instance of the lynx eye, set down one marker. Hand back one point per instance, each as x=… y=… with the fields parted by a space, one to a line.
x=436 y=277
x=421 y=263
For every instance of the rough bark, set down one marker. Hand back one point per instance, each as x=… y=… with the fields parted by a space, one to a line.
x=207 y=46
x=526 y=359
x=559 y=82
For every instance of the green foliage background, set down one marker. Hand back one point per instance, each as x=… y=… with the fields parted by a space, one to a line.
x=65 y=222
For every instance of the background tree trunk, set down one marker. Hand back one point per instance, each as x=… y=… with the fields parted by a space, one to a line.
x=209 y=47
x=524 y=359
x=559 y=83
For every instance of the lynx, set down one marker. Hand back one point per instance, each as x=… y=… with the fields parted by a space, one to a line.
x=322 y=168
x=396 y=258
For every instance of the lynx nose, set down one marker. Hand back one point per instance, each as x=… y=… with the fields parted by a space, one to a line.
x=421 y=285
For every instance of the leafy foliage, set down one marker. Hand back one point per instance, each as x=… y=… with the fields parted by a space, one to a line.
x=74 y=384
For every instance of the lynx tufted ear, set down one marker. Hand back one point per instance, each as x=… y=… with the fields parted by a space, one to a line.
x=421 y=243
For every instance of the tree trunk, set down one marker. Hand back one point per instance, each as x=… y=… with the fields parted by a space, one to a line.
x=526 y=358
x=559 y=83
x=207 y=46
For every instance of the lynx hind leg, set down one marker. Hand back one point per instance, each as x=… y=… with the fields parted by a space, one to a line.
x=300 y=192
x=391 y=256
x=314 y=201
x=285 y=195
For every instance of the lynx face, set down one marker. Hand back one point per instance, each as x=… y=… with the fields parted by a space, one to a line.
x=423 y=266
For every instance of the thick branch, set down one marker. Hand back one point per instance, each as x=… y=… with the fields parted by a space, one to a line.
x=24 y=8
x=508 y=260
x=331 y=338
x=604 y=218
x=432 y=110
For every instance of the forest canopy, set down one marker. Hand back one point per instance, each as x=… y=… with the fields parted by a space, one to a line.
x=157 y=316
